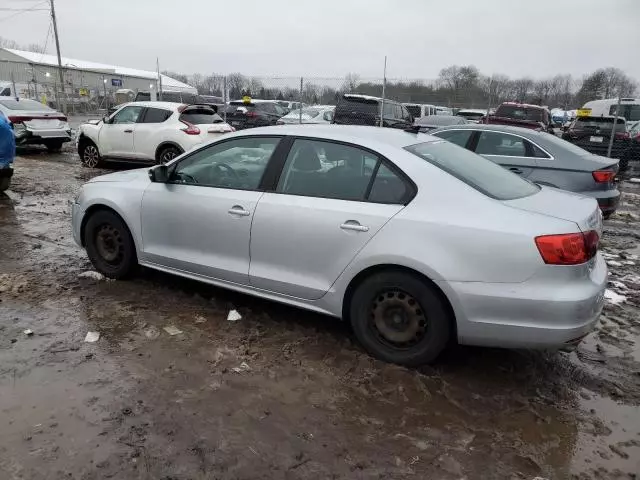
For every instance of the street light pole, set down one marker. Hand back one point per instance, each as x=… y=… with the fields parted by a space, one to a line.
x=55 y=34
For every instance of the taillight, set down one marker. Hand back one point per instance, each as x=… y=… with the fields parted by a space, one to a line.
x=251 y=114
x=16 y=119
x=569 y=248
x=603 y=176
x=622 y=135
x=191 y=128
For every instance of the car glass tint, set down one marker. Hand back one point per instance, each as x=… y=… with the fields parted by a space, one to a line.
x=127 y=115
x=536 y=151
x=156 y=115
x=603 y=123
x=493 y=143
x=630 y=112
x=520 y=113
x=413 y=110
x=237 y=164
x=560 y=144
x=478 y=172
x=359 y=105
x=389 y=110
x=24 y=104
x=199 y=116
x=459 y=137
x=388 y=187
x=329 y=170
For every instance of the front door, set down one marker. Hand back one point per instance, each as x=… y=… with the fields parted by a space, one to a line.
x=116 y=137
x=200 y=221
x=331 y=199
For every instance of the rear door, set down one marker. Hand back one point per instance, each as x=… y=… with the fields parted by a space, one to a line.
x=146 y=132
x=513 y=152
x=116 y=137
x=329 y=201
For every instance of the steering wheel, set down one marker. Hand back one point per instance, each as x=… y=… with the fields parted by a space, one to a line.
x=230 y=172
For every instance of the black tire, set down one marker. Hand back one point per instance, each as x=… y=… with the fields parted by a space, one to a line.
x=89 y=154
x=54 y=147
x=386 y=296
x=167 y=154
x=109 y=245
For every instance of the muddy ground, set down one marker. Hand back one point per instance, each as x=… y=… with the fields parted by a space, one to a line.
x=282 y=393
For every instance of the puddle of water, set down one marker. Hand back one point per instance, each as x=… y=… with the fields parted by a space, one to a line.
x=593 y=447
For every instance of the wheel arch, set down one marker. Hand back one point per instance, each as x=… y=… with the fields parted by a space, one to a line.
x=91 y=210
x=168 y=143
x=387 y=267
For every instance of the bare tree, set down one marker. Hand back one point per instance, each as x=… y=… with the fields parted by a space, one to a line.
x=521 y=88
x=351 y=82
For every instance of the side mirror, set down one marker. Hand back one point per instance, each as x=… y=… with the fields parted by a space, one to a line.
x=159 y=174
x=105 y=119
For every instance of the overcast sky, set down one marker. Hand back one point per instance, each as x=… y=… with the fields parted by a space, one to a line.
x=329 y=38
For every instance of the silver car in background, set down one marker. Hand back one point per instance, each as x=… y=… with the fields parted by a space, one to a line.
x=315 y=114
x=35 y=123
x=412 y=239
x=542 y=158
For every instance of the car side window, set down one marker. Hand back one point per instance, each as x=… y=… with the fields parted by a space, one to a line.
x=128 y=115
x=535 y=151
x=325 y=169
x=503 y=144
x=459 y=137
x=406 y=115
x=237 y=164
x=389 y=110
x=388 y=187
x=156 y=115
x=328 y=116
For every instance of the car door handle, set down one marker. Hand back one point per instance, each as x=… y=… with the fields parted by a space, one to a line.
x=354 y=225
x=128 y=131
x=516 y=170
x=239 y=210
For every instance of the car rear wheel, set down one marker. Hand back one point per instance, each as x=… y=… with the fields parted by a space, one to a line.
x=90 y=156
x=399 y=318
x=109 y=245
x=54 y=147
x=167 y=154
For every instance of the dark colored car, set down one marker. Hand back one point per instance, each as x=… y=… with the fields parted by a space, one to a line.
x=257 y=113
x=354 y=109
x=594 y=134
x=521 y=115
x=431 y=122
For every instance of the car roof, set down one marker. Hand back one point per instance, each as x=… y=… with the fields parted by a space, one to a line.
x=365 y=97
x=168 y=105
x=498 y=128
x=357 y=134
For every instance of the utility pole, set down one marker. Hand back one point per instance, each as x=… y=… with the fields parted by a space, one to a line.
x=60 y=72
x=159 y=78
x=384 y=87
x=613 y=128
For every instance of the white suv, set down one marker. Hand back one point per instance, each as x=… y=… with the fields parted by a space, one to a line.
x=148 y=131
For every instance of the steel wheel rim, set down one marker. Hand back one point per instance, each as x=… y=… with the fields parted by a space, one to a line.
x=110 y=244
x=397 y=319
x=91 y=156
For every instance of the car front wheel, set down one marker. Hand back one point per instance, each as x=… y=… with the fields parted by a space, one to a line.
x=90 y=156
x=400 y=318
x=109 y=244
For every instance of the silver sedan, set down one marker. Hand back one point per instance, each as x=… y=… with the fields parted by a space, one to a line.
x=412 y=239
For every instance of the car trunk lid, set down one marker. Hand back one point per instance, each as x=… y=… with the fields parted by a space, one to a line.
x=581 y=210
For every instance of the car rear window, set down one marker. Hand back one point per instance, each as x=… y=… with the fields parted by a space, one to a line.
x=199 y=116
x=24 y=104
x=519 y=113
x=357 y=104
x=630 y=112
x=476 y=171
x=600 y=122
x=414 y=110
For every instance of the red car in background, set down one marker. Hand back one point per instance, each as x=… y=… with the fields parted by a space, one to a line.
x=521 y=115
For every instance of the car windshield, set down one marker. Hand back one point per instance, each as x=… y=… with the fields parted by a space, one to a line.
x=474 y=170
x=558 y=143
x=24 y=104
x=307 y=112
x=519 y=112
x=630 y=112
x=470 y=114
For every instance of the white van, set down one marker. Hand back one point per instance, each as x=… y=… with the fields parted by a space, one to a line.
x=419 y=110
x=629 y=108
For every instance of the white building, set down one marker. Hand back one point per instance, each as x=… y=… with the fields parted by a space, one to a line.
x=36 y=75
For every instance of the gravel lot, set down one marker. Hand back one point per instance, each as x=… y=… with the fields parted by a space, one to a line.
x=282 y=393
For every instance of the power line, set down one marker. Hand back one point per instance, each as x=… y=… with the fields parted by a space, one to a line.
x=35 y=8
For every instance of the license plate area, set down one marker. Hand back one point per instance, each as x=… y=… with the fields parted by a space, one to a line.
x=594 y=139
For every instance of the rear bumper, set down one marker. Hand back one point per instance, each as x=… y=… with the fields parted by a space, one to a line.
x=41 y=137
x=608 y=200
x=539 y=313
